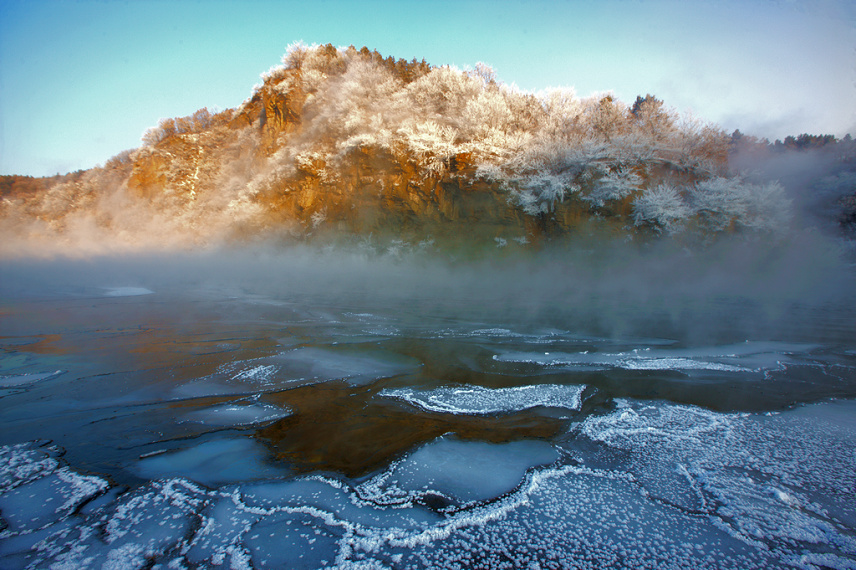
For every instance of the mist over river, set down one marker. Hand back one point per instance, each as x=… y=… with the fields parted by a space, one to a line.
x=621 y=406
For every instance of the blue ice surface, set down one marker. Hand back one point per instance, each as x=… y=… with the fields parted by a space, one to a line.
x=355 y=367
x=213 y=462
x=648 y=484
x=23 y=380
x=235 y=414
x=464 y=471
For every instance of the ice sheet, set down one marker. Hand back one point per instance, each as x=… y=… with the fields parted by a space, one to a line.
x=575 y=518
x=774 y=490
x=778 y=479
x=42 y=501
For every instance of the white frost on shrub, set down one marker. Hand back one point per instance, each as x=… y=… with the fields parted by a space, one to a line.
x=662 y=207
x=716 y=204
x=616 y=185
x=723 y=203
x=538 y=192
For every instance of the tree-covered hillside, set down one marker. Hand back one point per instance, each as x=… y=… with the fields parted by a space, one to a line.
x=339 y=142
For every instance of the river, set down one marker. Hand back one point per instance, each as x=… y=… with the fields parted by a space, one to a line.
x=315 y=410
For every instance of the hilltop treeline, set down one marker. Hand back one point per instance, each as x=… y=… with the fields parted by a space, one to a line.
x=844 y=147
x=818 y=171
x=16 y=185
x=344 y=142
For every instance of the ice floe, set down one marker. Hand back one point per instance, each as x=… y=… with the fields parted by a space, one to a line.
x=126 y=291
x=236 y=414
x=459 y=472
x=21 y=380
x=261 y=374
x=35 y=504
x=574 y=518
x=479 y=400
x=354 y=367
x=301 y=542
x=305 y=365
x=742 y=357
x=248 y=377
x=213 y=462
x=370 y=507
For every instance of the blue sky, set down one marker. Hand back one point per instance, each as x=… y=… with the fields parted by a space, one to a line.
x=80 y=81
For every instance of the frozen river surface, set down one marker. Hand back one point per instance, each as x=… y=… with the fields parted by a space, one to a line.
x=147 y=425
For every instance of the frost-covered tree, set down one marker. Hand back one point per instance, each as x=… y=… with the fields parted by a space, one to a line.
x=613 y=186
x=731 y=203
x=663 y=208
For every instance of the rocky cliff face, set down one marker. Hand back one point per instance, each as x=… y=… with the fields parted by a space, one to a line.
x=344 y=144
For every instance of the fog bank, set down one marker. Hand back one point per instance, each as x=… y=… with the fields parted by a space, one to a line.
x=608 y=287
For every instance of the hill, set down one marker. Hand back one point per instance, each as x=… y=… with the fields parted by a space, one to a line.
x=341 y=144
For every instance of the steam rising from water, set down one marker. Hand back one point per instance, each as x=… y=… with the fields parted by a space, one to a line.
x=607 y=287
